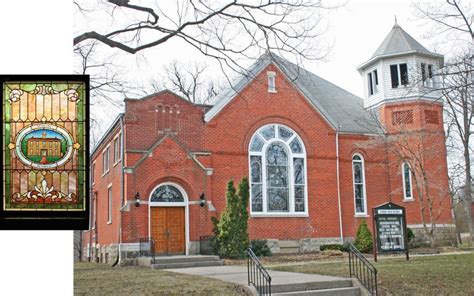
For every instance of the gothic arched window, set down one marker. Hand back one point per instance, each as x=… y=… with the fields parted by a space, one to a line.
x=277 y=164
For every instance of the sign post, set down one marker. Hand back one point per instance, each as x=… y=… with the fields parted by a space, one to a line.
x=390 y=230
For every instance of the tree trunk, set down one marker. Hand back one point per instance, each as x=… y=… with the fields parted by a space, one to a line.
x=468 y=193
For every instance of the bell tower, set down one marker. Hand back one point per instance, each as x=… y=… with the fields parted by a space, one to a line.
x=400 y=82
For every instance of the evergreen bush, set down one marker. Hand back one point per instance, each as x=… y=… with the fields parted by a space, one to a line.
x=260 y=248
x=232 y=228
x=363 y=241
x=341 y=247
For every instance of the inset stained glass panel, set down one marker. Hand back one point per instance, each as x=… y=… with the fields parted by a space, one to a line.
x=44 y=130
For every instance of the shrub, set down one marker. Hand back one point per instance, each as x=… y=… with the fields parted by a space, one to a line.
x=410 y=236
x=232 y=228
x=214 y=240
x=260 y=247
x=344 y=247
x=363 y=241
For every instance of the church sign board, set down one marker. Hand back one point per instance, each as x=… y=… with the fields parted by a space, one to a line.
x=390 y=233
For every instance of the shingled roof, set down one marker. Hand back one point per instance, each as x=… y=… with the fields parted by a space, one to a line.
x=343 y=110
x=399 y=42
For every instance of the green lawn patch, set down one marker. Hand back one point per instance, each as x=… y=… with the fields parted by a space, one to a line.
x=430 y=275
x=101 y=279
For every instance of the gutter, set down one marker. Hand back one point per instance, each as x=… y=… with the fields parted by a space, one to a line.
x=338 y=188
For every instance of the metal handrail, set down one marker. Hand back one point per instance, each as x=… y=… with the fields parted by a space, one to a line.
x=258 y=275
x=363 y=270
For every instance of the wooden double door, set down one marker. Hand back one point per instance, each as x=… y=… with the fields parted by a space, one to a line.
x=168 y=228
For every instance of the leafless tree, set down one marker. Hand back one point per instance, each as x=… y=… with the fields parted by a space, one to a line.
x=453 y=20
x=189 y=81
x=226 y=30
x=404 y=145
x=106 y=82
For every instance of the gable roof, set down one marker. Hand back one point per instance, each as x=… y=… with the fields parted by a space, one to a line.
x=343 y=110
x=399 y=42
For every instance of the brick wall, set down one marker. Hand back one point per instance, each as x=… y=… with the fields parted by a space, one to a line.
x=162 y=130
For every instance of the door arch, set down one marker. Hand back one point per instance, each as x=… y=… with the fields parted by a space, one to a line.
x=168 y=203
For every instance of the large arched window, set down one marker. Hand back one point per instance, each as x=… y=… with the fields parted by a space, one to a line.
x=277 y=163
x=360 y=202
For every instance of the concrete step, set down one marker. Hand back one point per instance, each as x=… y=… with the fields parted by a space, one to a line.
x=187 y=264
x=320 y=285
x=183 y=259
x=347 y=291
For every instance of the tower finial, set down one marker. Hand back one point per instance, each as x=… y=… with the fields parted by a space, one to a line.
x=396 y=23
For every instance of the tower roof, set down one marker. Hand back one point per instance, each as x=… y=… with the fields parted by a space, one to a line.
x=399 y=42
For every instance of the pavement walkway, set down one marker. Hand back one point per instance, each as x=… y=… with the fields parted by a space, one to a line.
x=238 y=275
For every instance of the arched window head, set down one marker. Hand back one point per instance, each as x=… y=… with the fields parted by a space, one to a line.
x=277 y=164
x=167 y=193
x=406 y=178
x=358 y=174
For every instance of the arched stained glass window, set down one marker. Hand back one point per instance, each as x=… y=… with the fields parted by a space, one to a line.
x=360 y=202
x=167 y=193
x=277 y=163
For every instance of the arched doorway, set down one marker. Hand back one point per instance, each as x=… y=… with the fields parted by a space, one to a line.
x=168 y=219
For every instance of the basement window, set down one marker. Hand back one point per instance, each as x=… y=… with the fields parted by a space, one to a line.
x=271 y=82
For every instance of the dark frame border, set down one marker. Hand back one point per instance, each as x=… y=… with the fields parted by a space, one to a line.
x=46 y=220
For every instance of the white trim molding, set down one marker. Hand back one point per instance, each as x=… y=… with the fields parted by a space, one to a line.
x=259 y=153
x=364 y=193
x=404 y=181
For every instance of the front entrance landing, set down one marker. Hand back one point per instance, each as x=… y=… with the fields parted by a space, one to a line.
x=283 y=283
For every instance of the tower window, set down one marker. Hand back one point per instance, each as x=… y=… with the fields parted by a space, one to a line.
x=373 y=82
x=399 y=75
x=427 y=74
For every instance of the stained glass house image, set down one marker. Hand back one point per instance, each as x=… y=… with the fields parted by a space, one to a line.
x=44 y=146
x=318 y=158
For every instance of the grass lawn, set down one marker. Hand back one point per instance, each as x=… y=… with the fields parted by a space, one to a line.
x=101 y=279
x=427 y=275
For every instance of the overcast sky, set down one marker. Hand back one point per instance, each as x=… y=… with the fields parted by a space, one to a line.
x=355 y=30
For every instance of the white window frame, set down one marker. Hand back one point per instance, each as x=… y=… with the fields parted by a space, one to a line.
x=405 y=197
x=117 y=148
x=427 y=81
x=374 y=79
x=291 y=183
x=106 y=161
x=399 y=75
x=93 y=172
x=364 y=195
x=109 y=204
x=271 y=81
x=93 y=210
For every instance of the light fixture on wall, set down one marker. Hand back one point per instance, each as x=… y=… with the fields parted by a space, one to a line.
x=202 y=200
x=137 y=199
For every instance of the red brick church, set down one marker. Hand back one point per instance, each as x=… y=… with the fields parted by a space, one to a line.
x=313 y=152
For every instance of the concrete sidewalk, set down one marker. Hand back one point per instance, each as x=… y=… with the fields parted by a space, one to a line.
x=238 y=275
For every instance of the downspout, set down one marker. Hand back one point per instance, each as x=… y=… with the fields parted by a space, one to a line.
x=338 y=188
x=90 y=214
x=121 y=192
